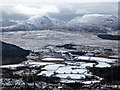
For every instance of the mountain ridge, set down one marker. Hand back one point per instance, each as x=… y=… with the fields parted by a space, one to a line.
x=85 y=23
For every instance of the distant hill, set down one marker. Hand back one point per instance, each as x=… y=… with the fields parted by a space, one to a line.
x=12 y=54
x=6 y=23
x=94 y=23
x=98 y=23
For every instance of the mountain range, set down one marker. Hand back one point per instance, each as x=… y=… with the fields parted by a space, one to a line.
x=86 y=23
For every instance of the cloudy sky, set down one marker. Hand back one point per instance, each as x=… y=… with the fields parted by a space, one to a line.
x=54 y=1
x=61 y=9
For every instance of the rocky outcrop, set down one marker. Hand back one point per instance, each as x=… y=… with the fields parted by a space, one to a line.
x=12 y=54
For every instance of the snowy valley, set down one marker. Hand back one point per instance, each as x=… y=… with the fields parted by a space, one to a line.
x=63 y=55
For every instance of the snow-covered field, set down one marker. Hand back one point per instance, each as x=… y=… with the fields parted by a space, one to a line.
x=96 y=59
x=68 y=70
x=102 y=62
x=52 y=59
x=34 y=40
x=57 y=70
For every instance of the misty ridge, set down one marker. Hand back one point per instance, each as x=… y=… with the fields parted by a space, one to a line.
x=98 y=23
x=84 y=17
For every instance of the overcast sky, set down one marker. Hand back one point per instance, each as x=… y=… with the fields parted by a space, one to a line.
x=55 y=1
x=54 y=7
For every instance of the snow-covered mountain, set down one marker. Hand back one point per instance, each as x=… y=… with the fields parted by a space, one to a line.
x=94 y=23
x=36 y=23
x=45 y=22
x=85 y=23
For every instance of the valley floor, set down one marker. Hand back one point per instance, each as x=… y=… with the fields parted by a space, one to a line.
x=62 y=60
x=34 y=40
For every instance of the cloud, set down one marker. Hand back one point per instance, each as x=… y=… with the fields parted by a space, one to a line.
x=55 y=1
x=30 y=11
x=81 y=11
x=57 y=8
x=51 y=2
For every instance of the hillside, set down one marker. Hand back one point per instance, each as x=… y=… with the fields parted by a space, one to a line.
x=13 y=54
x=97 y=23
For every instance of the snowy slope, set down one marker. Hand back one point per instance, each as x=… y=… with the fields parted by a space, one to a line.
x=20 y=27
x=98 y=23
x=35 y=23
x=45 y=22
x=94 y=22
